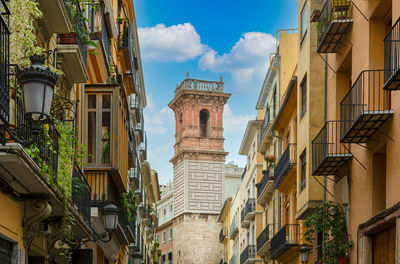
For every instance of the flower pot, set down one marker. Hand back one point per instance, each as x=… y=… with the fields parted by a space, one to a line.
x=67 y=38
x=343 y=261
x=96 y=35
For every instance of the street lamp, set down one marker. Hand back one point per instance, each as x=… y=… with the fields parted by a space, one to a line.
x=110 y=217
x=37 y=84
x=304 y=253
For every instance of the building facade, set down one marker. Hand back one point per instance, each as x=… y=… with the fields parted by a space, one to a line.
x=165 y=212
x=198 y=169
x=91 y=153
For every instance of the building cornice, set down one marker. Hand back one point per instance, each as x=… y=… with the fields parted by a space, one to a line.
x=215 y=155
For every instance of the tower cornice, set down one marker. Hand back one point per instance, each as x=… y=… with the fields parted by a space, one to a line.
x=199 y=154
x=196 y=95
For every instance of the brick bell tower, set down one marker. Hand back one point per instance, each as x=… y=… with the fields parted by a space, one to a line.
x=198 y=170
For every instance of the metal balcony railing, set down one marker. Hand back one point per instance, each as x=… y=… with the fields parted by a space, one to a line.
x=328 y=154
x=127 y=225
x=285 y=163
x=4 y=61
x=74 y=38
x=284 y=239
x=392 y=58
x=268 y=118
x=248 y=209
x=248 y=253
x=234 y=229
x=265 y=236
x=261 y=185
x=81 y=193
x=365 y=108
x=333 y=24
x=123 y=36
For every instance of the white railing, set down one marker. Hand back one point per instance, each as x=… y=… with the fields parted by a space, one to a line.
x=201 y=85
x=165 y=218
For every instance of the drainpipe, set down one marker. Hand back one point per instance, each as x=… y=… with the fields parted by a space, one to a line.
x=82 y=121
x=325 y=111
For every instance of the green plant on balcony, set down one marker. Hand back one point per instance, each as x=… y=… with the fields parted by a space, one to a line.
x=120 y=20
x=128 y=201
x=270 y=161
x=155 y=251
x=328 y=219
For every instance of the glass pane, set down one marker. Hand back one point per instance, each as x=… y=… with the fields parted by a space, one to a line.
x=92 y=101
x=105 y=138
x=91 y=137
x=106 y=101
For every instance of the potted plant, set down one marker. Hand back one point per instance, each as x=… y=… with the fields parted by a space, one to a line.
x=270 y=160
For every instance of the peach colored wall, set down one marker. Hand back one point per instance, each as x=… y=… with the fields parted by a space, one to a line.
x=167 y=246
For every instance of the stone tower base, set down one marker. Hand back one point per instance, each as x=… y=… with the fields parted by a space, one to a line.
x=196 y=239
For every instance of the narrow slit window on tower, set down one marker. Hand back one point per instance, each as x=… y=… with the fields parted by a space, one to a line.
x=203 y=123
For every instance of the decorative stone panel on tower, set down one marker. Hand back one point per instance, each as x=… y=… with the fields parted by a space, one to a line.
x=199 y=164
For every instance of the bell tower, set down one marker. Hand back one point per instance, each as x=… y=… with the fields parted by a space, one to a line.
x=198 y=169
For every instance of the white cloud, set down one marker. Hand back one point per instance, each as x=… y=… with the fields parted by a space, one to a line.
x=246 y=61
x=235 y=122
x=175 y=43
x=159 y=122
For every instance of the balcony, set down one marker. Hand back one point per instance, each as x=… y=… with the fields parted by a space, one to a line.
x=234 y=229
x=81 y=193
x=285 y=164
x=265 y=188
x=143 y=150
x=328 y=154
x=365 y=108
x=392 y=58
x=265 y=134
x=135 y=107
x=72 y=52
x=286 y=238
x=55 y=15
x=248 y=213
x=249 y=255
x=222 y=235
x=264 y=240
x=333 y=24
x=139 y=130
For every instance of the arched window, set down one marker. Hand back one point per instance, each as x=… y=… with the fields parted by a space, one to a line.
x=204 y=123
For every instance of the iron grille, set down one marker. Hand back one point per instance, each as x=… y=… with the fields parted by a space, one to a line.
x=365 y=108
x=248 y=253
x=392 y=57
x=285 y=163
x=261 y=185
x=332 y=25
x=81 y=193
x=4 y=61
x=328 y=154
x=286 y=238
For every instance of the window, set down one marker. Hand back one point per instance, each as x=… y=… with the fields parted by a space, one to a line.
x=170 y=208
x=170 y=234
x=164 y=211
x=303 y=91
x=204 y=123
x=304 y=23
x=164 y=236
x=170 y=257
x=99 y=129
x=163 y=258
x=303 y=171
x=158 y=238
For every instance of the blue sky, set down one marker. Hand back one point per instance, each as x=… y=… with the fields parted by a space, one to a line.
x=206 y=38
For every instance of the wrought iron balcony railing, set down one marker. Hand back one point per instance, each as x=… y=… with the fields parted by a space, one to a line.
x=4 y=61
x=268 y=118
x=285 y=164
x=392 y=58
x=248 y=253
x=263 y=238
x=81 y=193
x=247 y=213
x=234 y=229
x=284 y=239
x=333 y=24
x=365 y=108
x=264 y=187
x=328 y=154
